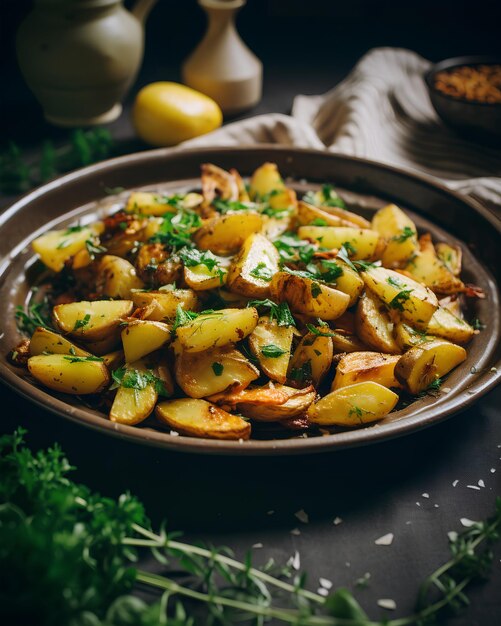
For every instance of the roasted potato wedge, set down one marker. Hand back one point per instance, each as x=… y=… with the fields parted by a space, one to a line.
x=359 y=367
x=311 y=360
x=157 y=204
x=411 y=300
x=201 y=278
x=308 y=214
x=116 y=278
x=45 y=341
x=213 y=330
x=166 y=302
x=271 y=345
x=349 y=282
x=199 y=418
x=142 y=337
x=328 y=200
x=225 y=234
x=399 y=233
x=308 y=296
x=355 y=405
x=71 y=374
x=373 y=324
x=114 y=360
x=361 y=243
x=253 y=267
x=136 y=396
x=273 y=403
x=265 y=180
x=446 y=325
x=408 y=337
x=451 y=257
x=58 y=246
x=428 y=269
x=91 y=321
x=420 y=366
x=202 y=374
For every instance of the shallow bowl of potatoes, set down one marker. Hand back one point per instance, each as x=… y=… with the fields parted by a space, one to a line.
x=256 y=300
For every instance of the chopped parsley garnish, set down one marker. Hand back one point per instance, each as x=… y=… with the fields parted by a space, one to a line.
x=63 y=244
x=303 y=373
x=94 y=248
x=176 y=228
x=394 y=282
x=316 y=290
x=192 y=257
x=405 y=234
x=326 y=197
x=399 y=299
x=83 y=322
x=217 y=368
x=183 y=317
x=272 y=351
x=343 y=255
x=320 y=333
x=350 y=249
x=280 y=312
x=73 y=358
x=292 y=248
x=225 y=206
x=435 y=385
x=278 y=213
x=332 y=271
x=73 y=229
x=319 y=221
x=476 y=324
x=262 y=272
x=134 y=379
x=36 y=314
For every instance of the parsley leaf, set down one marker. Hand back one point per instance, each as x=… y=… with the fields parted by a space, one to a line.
x=280 y=312
x=176 y=228
x=303 y=373
x=401 y=297
x=192 y=257
x=333 y=271
x=316 y=290
x=291 y=248
x=406 y=233
x=134 y=379
x=262 y=272
x=217 y=368
x=272 y=351
x=37 y=314
x=94 y=248
x=318 y=221
x=83 y=322
x=73 y=358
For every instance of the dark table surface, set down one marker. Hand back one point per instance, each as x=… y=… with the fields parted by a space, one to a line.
x=405 y=486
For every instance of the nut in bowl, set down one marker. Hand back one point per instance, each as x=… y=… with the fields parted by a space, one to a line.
x=466 y=94
x=218 y=310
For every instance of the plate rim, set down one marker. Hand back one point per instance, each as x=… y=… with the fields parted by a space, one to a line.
x=290 y=446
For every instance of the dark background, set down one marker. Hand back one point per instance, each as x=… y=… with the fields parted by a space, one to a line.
x=306 y=47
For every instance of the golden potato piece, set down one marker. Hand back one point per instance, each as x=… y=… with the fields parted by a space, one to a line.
x=263 y=404
x=355 y=405
x=308 y=213
x=271 y=345
x=399 y=233
x=361 y=243
x=225 y=234
x=166 y=302
x=136 y=396
x=252 y=269
x=70 y=373
x=429 y=270
x=349 y=282
x=308 y=296
x=116 y=278
x=58 y=246
x=451 y=257
x=420 y=366
x=311 y=360
x=199 y=418
x=45 y=341
x=201 y=374
x=373 y=324
x=408 y=337
x=414 y=302
x=213 y=330
x=321 y=199
x=141 y=337
x=91 y=321
x=157 y=204
x=359 y=367
x=446 y=325
x=265 y=180
x=114 y=360
x=201 y=278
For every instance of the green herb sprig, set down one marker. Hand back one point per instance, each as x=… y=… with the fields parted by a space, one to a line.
x=69 y=556
x=279 y=312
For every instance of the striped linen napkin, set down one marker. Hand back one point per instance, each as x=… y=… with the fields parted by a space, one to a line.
x=381 y=111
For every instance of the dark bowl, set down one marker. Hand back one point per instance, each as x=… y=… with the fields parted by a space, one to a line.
x=475 y=120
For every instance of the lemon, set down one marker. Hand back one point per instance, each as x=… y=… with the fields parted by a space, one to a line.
x=165 y=114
